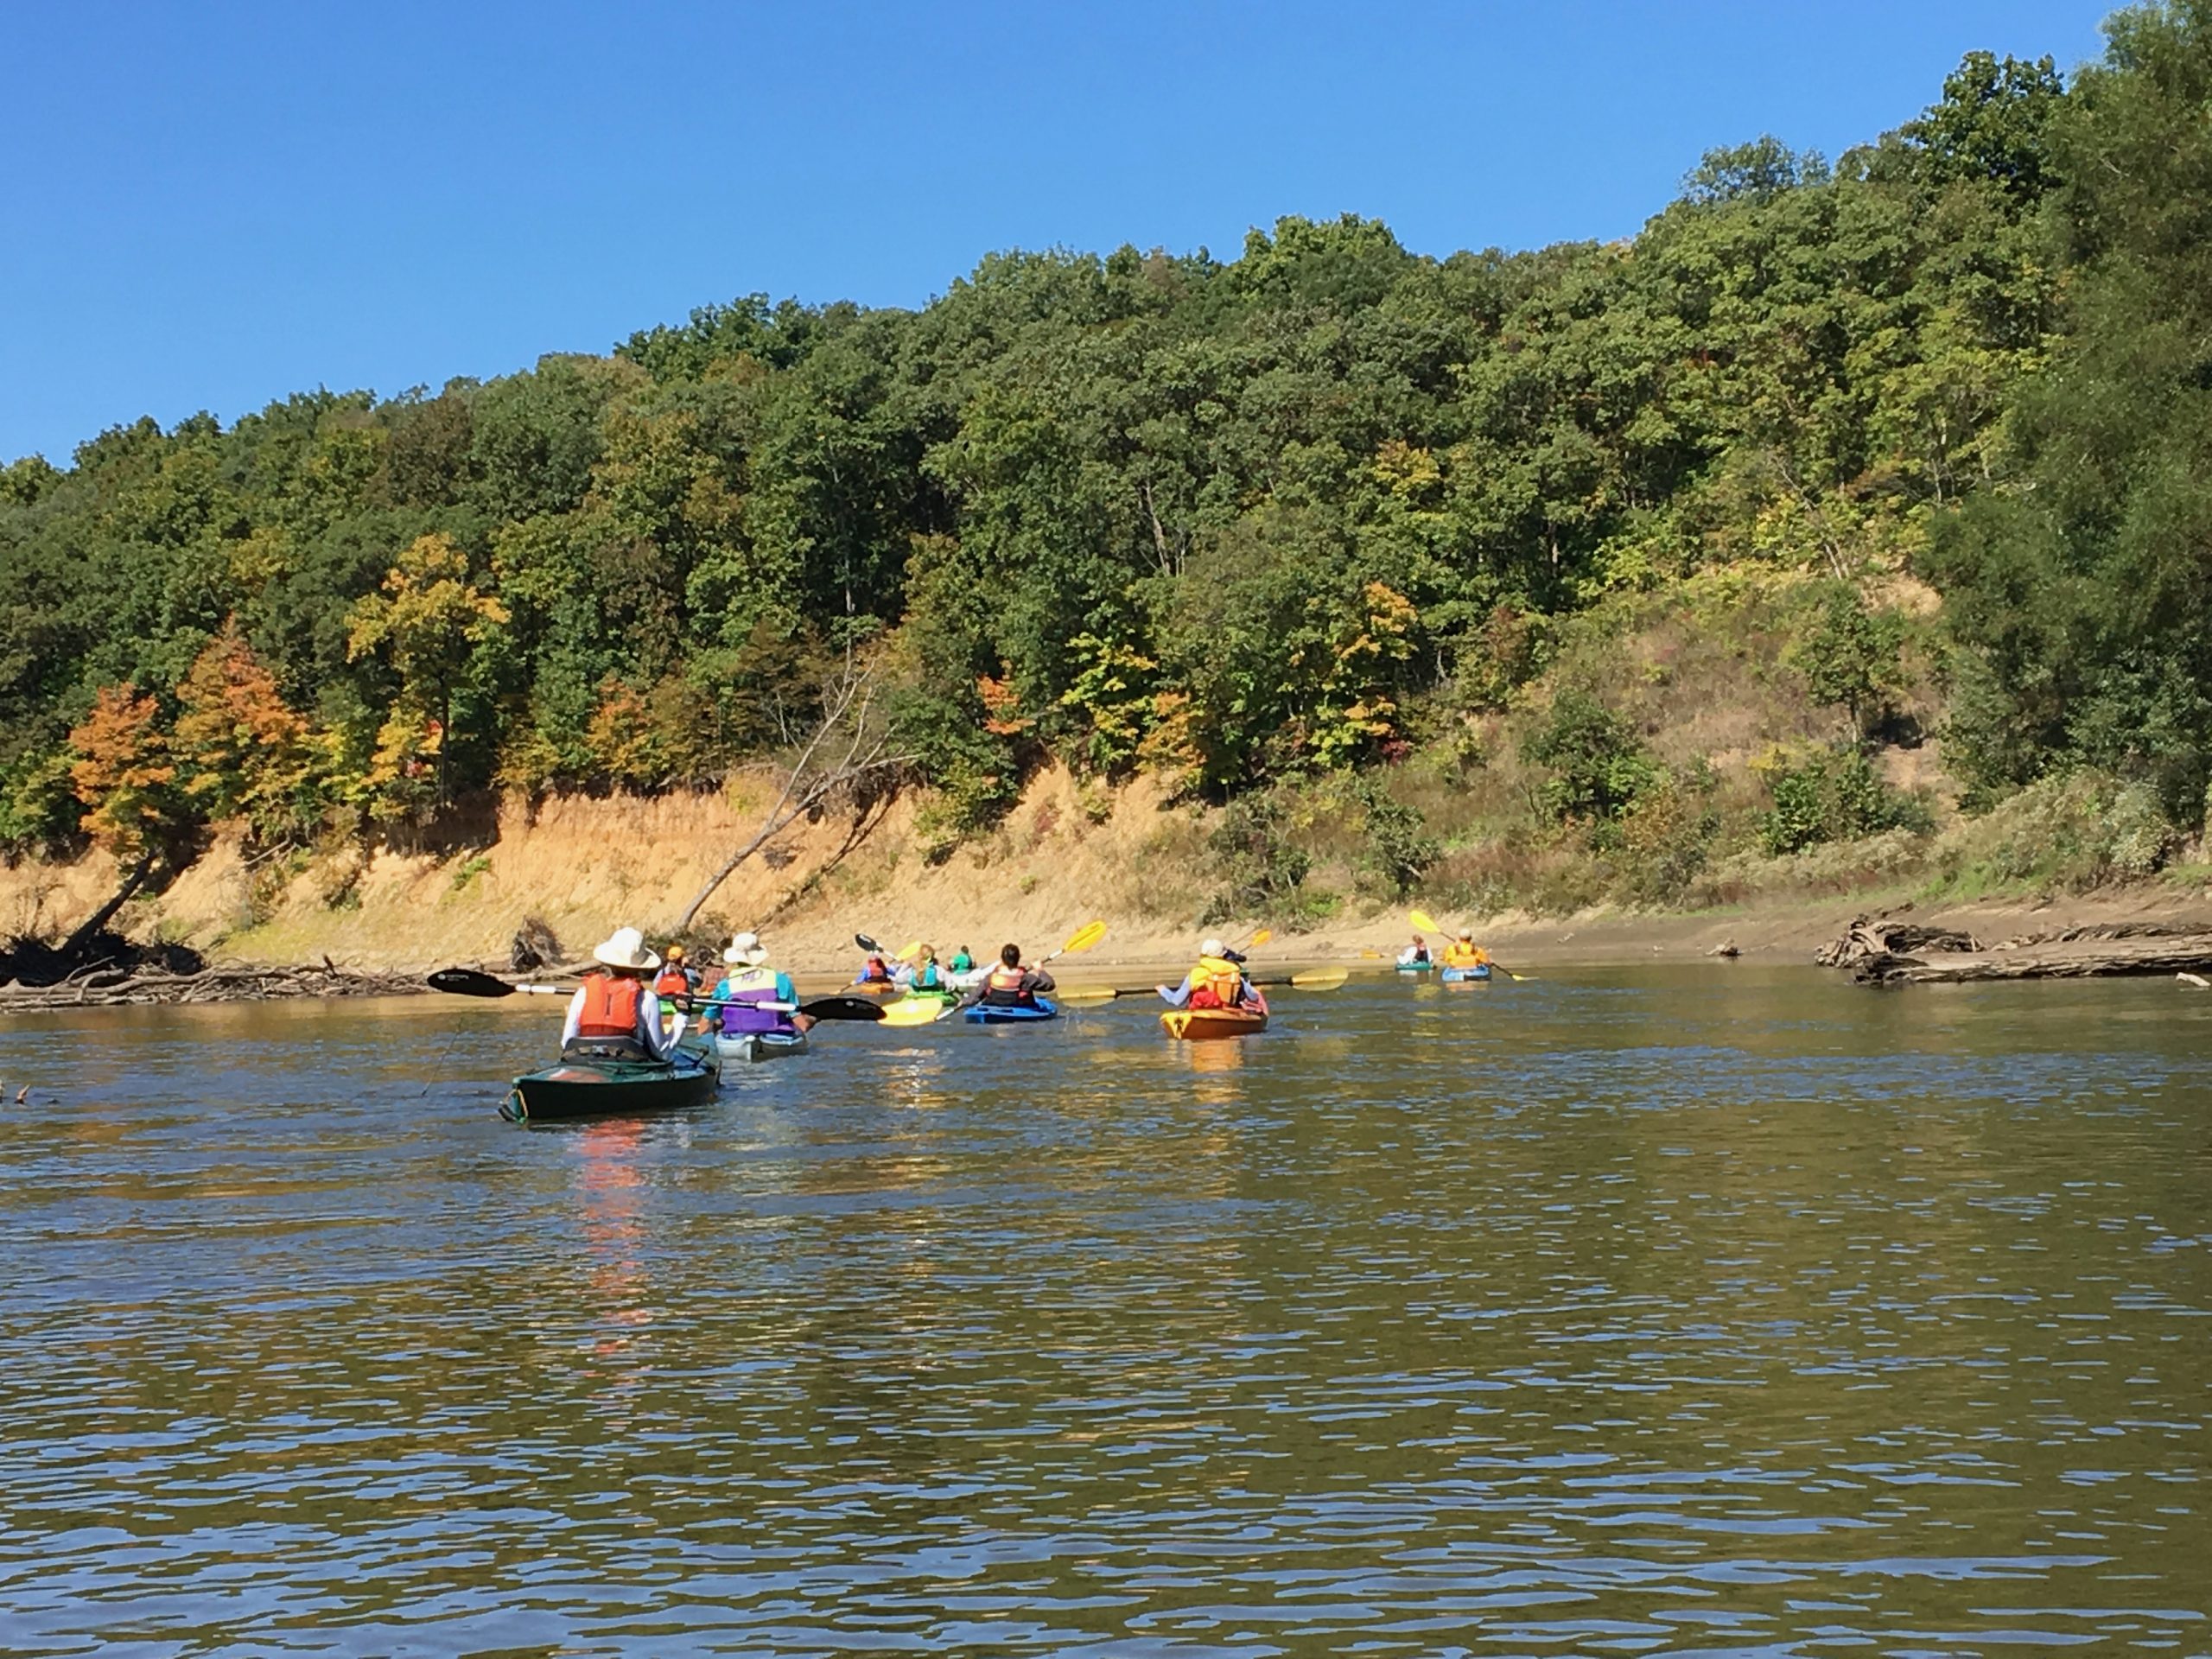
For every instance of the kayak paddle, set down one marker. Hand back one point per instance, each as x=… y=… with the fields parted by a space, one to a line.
x=1313 y=979
x=468 y=981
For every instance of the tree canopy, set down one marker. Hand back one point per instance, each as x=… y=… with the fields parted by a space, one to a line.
x=1232 y=520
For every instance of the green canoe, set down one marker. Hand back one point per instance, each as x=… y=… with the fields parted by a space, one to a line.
x=597 y=1088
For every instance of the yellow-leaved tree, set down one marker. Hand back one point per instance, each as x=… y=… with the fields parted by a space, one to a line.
x=427 y=620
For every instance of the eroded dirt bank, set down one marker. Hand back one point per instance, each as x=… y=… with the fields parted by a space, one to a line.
x=586 y=866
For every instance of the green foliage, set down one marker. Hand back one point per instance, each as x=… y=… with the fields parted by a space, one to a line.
x=1599 y=765
x=1262 y=870
x=1398 y=851
x=1849 y=656
x=2075 y=590
x=2068 y=833
x=1831 y=794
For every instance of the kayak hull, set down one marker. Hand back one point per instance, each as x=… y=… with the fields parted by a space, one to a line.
x=1415 y=967
x=1202 y=1025
x=609 y=1088
x=984 y=1014
x=754 y=1047
x=1465 y=976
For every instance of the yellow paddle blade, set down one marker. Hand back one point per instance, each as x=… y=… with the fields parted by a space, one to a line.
x=909 y=952
x=1425 y=922
x=919 y=1012
x=1259 y=938
x=1320 y=979
x=1086 y=993
x=1370 y=955
x=1083 y=938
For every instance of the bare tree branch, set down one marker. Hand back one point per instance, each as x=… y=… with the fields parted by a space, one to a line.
x=847 y=747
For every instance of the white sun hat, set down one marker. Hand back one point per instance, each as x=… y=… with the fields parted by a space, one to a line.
x=1213 y=948
x=626 y=948
x=745 y=948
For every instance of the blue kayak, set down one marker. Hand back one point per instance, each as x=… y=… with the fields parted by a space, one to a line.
x=1465 y=976
x=983 y=1014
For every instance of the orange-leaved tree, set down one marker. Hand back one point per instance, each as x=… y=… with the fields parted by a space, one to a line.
x=245 y=752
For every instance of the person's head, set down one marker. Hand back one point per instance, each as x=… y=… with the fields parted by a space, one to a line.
x=1466 y=935
x=624 y=952
x=1010 y=955
x=929 y=953
x=746 y=950
x=1419 y=940
x=1213 y=948
x=676 y=956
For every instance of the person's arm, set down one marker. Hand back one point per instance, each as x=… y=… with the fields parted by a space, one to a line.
x=1040 y=982
x=658 y=1044
x=576 y=1019
x=1179 y=997
x=975 y=992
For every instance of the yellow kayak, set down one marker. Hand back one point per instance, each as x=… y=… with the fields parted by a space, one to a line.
x=1193 y=1025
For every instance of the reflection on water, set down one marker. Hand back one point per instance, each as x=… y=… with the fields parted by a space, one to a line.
x=1704 y=1309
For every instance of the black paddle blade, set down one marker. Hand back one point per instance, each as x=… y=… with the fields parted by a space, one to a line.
x=842 y=1007
x=467 y=981
x=867 y=944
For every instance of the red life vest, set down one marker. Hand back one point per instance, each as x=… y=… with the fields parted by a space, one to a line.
x=673 y=982
x=1003 y=989
x=610 y=1005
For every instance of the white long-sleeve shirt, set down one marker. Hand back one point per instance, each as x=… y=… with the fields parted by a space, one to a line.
x=658 y=1044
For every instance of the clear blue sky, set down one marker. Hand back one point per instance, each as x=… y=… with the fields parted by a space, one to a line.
x=210 y=205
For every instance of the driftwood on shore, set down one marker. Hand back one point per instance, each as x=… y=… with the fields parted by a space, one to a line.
x=1891 y=953
x=111 y=987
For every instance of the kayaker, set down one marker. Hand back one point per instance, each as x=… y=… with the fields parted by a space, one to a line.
x=613 y=1015
x=962 y=962
x=1218 y=982
x=874 y=971
x=751 y=983
x=1010 y=985
x=1414 y=955
x=925 y=974
x=676 y=982
x=1463 y=953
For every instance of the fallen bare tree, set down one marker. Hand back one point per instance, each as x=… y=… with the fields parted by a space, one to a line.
x=99 y=988
x=1887 y=953
x=850 y=754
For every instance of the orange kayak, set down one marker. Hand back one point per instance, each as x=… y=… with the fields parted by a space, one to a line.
x=1193 y=1024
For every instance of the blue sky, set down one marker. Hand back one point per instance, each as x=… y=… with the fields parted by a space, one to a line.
x=212 y=206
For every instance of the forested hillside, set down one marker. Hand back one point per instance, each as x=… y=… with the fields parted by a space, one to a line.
x=1301 y=519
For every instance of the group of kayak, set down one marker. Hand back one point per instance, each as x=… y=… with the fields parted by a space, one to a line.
x=1463 y=961
x=628 y=1043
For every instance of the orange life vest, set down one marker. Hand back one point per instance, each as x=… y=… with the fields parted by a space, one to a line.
x=1003 y=987
x=610 y=1005
x=673 y=982
x=874 y=971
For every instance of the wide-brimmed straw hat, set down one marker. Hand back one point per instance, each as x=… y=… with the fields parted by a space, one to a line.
x=626 y=948
x=746 y=948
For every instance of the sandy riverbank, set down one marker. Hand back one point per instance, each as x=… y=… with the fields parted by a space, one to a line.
x=587 y=866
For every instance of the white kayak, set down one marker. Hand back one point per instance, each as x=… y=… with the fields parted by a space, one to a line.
x=760 y=1045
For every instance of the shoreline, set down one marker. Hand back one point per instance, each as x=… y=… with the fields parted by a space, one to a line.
x=1773 y=933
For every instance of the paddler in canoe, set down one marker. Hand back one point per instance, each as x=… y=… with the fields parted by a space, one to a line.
x=751 y=982
x=1218 y=982
x=614 y=1014
x=1010 y=985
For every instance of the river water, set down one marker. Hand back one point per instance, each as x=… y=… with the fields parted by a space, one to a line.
x=1712 y=1310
